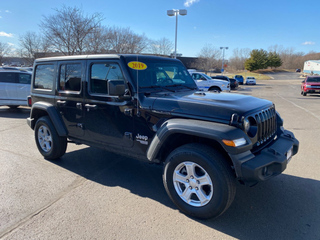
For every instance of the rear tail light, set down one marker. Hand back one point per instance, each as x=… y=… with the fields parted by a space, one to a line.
x=29 y=101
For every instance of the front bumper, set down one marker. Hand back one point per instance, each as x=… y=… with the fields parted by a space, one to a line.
x=269 y=162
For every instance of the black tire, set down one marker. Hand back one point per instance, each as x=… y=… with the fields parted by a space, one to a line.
x=49 y=143
x=189 y=165
x=215 y=89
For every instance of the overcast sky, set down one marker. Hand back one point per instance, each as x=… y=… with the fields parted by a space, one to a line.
x=239 y=24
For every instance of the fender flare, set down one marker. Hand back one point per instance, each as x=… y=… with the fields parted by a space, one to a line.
x=203 y=129
x=53 y=115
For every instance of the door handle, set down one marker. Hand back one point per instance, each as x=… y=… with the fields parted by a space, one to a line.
x=61 y=103
x=89 y=106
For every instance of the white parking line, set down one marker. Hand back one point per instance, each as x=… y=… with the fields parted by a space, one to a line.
x=306 y=110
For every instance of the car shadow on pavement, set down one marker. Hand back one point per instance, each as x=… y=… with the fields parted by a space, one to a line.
x=285 y=207
x=20 y=112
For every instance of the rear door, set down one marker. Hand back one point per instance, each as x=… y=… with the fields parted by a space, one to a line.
x=69 y=97
x=8 y=88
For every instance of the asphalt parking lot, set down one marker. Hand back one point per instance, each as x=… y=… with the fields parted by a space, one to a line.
x=94 y=194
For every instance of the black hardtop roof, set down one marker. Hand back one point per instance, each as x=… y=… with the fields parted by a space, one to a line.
x=104 y=56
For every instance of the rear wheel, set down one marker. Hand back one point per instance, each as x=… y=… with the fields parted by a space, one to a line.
x=199 y=181
x=49 y=143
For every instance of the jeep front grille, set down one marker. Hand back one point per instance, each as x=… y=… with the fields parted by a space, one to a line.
x=266 y=124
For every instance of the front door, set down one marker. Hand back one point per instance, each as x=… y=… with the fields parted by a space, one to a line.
x=107 y=119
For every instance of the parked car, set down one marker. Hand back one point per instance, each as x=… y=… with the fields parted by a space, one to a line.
x=251 y=81
x=234 y=84
x=14 y=87
x=239 y=78
x=221 y=77
x=298 y=70
x=310 y=84
x=149 y=108
x=206 y=83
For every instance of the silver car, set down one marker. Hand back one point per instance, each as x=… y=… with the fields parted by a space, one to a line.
x=14 y=87
x=251 y=81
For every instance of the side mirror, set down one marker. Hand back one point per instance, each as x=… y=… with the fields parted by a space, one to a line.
x=116 y=87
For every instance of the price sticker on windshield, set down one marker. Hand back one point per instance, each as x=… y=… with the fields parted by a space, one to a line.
x=137 y=65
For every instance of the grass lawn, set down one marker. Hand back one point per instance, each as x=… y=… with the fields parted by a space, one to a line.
x=258 y=76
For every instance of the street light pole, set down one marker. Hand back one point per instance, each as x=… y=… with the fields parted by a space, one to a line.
x=175 y=12
x=223 y=49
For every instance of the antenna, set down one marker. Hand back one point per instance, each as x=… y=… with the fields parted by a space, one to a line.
x=138 y=100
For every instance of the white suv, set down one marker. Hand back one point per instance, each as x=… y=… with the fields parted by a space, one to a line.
x=14 y=87
x=206 y=83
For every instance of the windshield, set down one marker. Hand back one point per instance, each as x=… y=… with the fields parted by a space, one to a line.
x=313 y=79
x=206 y=76
x=156 y=74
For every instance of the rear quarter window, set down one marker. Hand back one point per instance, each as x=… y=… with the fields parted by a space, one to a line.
x=44 y=77
x=24 y=78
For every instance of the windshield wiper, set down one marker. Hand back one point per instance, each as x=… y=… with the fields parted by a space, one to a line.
x=151 y=86
x=156 y=86
x=181 y=85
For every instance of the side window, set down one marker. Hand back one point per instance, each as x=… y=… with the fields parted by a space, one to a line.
x=70 y=77
x=24 y=78
x=100 y=73
x=7 y=77
x=197 y=76
x=44 y=76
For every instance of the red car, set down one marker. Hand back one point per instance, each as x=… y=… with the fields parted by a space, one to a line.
x=310 y=84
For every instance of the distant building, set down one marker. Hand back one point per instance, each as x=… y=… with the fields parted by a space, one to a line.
x=189 y=62
x=312 y=67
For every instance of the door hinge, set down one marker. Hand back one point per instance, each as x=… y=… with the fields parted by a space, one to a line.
x=128 y=135
x=128 y=112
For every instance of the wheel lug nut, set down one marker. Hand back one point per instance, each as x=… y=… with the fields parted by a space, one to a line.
x=191 y=177
x=190 y=187
x=197 y=188
x=187 y=180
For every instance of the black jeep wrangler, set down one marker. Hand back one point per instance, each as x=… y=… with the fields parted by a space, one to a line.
x=149 y=108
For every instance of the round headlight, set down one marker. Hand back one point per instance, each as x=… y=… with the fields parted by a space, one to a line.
x=246 y=125
x=250 y=126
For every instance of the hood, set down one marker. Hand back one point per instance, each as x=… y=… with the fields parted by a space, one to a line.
x=205 y=105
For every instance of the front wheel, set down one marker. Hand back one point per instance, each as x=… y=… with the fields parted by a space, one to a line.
x=199 y=181
x=49 y=143
x=215 y=89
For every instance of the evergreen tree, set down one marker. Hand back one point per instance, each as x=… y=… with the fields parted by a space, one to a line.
x=258 y=60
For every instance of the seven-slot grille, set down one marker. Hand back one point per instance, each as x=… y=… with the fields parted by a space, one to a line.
x=266 y=124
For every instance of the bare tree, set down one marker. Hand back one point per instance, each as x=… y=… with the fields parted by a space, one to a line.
x=162 y=46
x=4 y=50
x=236 y=62
x=97 y=41
x=68 y=29
x=31 y=44
x=209 y=58
x=123 y=40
